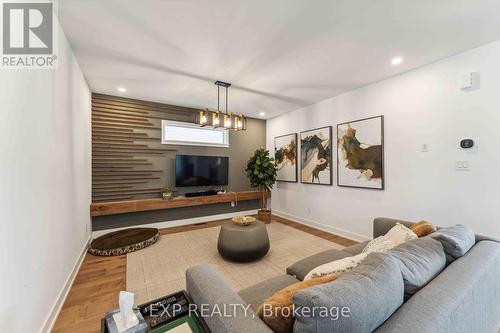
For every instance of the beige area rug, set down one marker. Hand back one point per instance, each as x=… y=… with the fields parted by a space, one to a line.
x=160 y=269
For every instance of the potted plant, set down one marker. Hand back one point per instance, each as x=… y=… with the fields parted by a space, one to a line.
x=261 y=171
x=166 y=192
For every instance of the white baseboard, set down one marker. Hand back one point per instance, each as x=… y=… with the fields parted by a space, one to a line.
x=338 y=231
x=61 y=298
x=177 y=223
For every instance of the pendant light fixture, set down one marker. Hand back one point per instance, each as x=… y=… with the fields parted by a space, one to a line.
x=222 y=119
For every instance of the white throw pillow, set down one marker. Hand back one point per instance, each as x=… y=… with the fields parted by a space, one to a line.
x=397 y=235
x=379 y=244
x=336 y=267
x=400 y=234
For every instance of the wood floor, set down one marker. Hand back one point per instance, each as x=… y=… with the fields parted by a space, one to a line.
x=100 y=279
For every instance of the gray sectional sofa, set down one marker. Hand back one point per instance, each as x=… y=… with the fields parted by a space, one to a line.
x=463 y=297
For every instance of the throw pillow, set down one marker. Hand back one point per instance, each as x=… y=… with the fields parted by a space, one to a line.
x=379 y=244
x=277 y=310
x=420 y=261
x=423 y=228
x=336 y=267
x=456 y=240
x=400 y=234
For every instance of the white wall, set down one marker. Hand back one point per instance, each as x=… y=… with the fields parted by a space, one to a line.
x=44 y=188
x=420 y=106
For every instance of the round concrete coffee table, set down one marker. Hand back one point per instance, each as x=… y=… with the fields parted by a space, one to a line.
x=243 y=243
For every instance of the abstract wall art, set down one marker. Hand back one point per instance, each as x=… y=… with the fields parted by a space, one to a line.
x=316 y=156
x=285 y=155
x=360 y=157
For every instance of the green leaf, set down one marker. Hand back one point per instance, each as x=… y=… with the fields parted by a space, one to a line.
x=261 y=170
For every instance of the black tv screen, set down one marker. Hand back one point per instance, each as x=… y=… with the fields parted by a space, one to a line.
x=192 y=170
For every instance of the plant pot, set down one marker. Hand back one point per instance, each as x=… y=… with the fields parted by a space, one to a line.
x=166 y=195
x=264 y=215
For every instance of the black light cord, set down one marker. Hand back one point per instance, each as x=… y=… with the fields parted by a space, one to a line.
x=227 y=92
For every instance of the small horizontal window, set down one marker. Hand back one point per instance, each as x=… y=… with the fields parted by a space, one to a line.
x=179 y=133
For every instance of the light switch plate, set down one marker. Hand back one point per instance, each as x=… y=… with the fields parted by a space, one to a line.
x=469 y=82
x=462 y=165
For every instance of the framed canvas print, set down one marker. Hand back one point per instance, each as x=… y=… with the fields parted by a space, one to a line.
x=360 y=157
x=285 y=155
x=316 y=156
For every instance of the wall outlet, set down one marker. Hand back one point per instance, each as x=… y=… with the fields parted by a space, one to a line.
x=424 y=148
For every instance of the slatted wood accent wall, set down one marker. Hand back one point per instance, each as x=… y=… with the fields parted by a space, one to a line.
x=126 y=142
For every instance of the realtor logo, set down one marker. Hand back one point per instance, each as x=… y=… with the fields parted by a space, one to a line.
x=28 y=35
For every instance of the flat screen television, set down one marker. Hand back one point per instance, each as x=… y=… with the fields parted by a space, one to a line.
x=193 y=170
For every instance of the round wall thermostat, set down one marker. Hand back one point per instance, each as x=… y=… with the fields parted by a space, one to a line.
x=467 y=143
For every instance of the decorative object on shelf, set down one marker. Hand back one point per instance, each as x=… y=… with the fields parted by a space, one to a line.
x=360 y=157
x=222 y=119
x=244 y=220
x=166 y=193
x=316 y=156
x=124 y=241
x=261 y=171
x=285 y=156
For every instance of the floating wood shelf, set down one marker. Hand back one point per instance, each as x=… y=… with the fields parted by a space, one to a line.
x=121 y=207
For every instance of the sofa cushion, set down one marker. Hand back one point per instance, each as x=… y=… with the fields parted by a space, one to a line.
x=420 y=261
x=462 y=299
x=355 y=249
x=256 y=294
x=456 y=240
x=363 y=298
x=212 y=292
x=277 y=310
x=304 y=266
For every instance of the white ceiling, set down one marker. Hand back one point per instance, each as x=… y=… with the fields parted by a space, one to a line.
x=279 y=55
